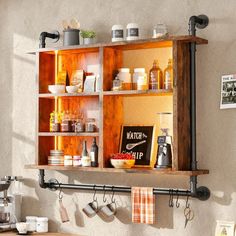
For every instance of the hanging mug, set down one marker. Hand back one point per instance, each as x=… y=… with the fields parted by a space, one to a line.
x=91 y=208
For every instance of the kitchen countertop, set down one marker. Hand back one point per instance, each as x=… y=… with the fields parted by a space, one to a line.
x=40 y=234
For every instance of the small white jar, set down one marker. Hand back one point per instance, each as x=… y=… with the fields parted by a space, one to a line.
x=117 y=32
x=42 y=225
x=142 y=83
x=31 y=220
x=125 y=76
x=86 y=161
x=132 y=31
x=68 y=161
x=136 y=74
x=77 y=161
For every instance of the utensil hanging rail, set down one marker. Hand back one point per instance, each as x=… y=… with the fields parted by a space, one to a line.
x=202 y=193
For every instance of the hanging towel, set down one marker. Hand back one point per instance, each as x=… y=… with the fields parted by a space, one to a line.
x=143 y=205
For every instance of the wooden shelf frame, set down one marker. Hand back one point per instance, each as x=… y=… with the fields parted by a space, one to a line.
x=109 y=57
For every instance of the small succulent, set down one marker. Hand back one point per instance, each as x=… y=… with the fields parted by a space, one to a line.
x=87 y=34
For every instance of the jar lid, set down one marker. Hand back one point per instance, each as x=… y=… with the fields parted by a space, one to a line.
x=67 y=157
x=126 y=70
x=142 y=70
x=44 y=219
x=117 y=27
x=76 y=157
x=132 y=25
x=31 y=218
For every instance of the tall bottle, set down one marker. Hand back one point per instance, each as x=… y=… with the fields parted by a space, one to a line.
x=86 y=160
x=155 y=77
x=168 y=76
x=94 y=153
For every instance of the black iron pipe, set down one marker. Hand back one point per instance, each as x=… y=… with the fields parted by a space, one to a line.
x=44 y=35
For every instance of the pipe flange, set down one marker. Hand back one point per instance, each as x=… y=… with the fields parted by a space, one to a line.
x=58 y=36
x=203 y=193
x=205 y=22
x=52 y=183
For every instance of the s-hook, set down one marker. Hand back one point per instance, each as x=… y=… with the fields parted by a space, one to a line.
x=104 y=198
x=112 y=197
x=171 y=203
x=94 y=199
x=177 y=204
x=60 y=196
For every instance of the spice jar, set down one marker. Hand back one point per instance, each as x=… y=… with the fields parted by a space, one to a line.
x=117 y=33
x=54 y=122
x=42 y=225
x=68 y=160
x=136 y=74
x=31 y=220
x=142 y=83
x=90 y=125
x=132 y=31
x=160 y=30
x=66 y=123
x=79 y=126
x=77 y=161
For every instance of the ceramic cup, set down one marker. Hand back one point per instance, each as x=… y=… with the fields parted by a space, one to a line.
x=22 y=227
x=109 y=209
x=91 y=209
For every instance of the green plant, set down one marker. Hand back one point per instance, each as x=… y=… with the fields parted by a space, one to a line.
x=87 y=34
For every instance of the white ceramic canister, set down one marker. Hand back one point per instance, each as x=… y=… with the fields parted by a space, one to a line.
x=132 y=31
x=125 y=76
x=42 y=225
x=68 y=161
x=136 y=74
x=77 y=161
x=31 y=220
x=117 y=33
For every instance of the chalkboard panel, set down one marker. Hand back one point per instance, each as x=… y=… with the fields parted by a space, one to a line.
x=138 y=140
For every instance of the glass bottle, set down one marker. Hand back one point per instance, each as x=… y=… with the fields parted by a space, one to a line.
x=94 y=153
x=86 y=160
x=155 y=77
x=168 y=76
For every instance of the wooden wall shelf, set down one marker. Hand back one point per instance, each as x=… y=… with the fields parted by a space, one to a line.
x=113 y=170
x=110 y=107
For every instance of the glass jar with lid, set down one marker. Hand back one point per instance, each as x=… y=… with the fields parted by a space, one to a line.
x=90 y=125
x=160 y=30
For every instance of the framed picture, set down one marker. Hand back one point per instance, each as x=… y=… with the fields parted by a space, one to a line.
x=224 y=228
x=228 y=91
x=138 y=140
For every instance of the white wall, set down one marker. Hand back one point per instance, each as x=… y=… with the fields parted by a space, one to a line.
x=21 y=23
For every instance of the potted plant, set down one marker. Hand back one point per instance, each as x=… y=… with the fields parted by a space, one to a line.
x=88 y=36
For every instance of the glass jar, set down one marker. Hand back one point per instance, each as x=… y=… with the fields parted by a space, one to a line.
x=160 y=30
x=54 y=122
x=77 y=161
x=136 y=74
x=90 y=125
x=79 y=126
x=125 y=77
x=142 y=83
x=66 y=123
x=68 y=160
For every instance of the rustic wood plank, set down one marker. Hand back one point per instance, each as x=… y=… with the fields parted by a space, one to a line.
x=71 y=134
x=113 y=170
x=140 y=44
x=53 y=96
x=181 y=106
x=160 y=92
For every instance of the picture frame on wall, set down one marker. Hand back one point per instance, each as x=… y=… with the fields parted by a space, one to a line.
x=228 y=91
x=139 y=140
x=225 y=228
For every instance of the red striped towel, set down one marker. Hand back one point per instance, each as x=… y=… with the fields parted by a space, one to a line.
x=143 y=205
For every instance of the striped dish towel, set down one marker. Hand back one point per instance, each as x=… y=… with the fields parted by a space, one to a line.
x=143 y=205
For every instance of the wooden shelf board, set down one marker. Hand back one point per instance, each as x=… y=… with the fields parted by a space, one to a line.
x=69 y=134
x=113 y=170
x=126 y=45
x=161 y=92
x=67 y=95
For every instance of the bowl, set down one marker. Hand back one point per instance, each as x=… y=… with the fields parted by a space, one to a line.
x=122 y=163
x=56 y=88
x=72 y=89
x=22 y=227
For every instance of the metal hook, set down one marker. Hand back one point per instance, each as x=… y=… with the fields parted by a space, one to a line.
x=104 y=188
x=171 y=203
x=112 y=197
x=177 y=204
x=94 y=188
x=60 y=192
x=187 y=204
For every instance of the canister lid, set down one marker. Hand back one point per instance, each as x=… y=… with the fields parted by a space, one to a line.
x=140 y=70
x=117 y=27
x=44 y=219
x=31 y=218
x=67 y=157
x=132 y=25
